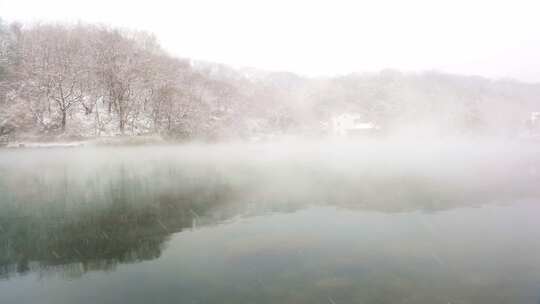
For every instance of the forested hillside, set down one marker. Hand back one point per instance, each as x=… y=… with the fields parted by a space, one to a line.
x=84 y=81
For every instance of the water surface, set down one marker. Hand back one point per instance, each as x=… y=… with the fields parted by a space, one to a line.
x=270 y=224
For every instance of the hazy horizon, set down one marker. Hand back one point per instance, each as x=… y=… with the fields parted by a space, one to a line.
x=489 y=39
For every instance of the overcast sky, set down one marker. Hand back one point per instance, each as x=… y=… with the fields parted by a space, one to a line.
x=491 y=38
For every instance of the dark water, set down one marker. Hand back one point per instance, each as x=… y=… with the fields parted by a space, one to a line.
x=266 y=224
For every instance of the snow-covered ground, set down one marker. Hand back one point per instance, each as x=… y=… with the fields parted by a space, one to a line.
x=46 y=144
x=100 y=141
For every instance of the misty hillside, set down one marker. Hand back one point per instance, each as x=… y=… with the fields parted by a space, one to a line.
x=64 y=82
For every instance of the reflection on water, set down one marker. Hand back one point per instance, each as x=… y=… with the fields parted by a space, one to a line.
x=200 y=225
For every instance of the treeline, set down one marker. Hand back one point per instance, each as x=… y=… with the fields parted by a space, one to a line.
x=80 y=81
x=83 y=80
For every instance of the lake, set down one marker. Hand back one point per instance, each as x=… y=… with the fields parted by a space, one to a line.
x=271 y=223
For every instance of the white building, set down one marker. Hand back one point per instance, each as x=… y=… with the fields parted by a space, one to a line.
x=535 y=117
x=351 y=124
x=533 y=124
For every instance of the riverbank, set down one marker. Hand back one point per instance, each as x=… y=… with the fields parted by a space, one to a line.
x=100 y=141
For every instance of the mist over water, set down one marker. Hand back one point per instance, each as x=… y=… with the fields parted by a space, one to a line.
x=287 y=221
x=377 y=173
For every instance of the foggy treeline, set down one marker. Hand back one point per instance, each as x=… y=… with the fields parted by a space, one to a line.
x=76 y=81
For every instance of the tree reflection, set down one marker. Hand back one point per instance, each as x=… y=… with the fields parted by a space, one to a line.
x=71 y=217
x=128 y=223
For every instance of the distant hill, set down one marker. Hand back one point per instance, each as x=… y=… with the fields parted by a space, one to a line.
x=85 y=81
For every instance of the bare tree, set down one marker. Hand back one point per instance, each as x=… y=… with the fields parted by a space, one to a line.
x=55 y=61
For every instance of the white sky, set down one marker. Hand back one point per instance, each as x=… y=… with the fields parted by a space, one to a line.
x=490 y=38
